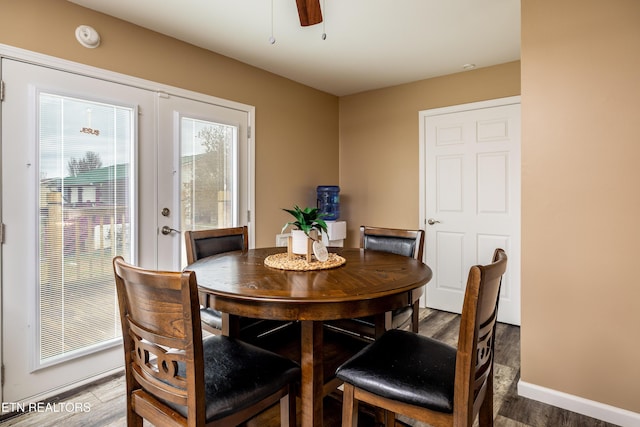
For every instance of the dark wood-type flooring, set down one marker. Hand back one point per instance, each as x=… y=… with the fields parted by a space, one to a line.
x=106 y=402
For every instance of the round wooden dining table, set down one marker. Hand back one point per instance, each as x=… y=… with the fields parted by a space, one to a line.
x=368 y=283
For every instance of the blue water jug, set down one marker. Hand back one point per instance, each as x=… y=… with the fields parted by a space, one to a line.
x=329 y=201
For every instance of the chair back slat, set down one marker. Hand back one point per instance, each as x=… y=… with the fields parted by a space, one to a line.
x=158 y=359
x=476 y=341
x=397 y=241
x=484 y=353
x=156 y=386
x=218 y=245
x=204 y=243
x=154 y=336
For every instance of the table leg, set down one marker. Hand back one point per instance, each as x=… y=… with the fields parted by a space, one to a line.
x=383 y=322
x=312 y=380
x=230 y=325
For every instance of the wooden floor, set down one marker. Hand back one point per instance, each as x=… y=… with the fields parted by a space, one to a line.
x=106 y=405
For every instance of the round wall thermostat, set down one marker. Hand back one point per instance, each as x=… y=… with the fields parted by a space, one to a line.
x=87 y=36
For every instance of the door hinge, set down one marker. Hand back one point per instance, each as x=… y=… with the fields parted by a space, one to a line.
x=1 y=90
x=1 y=233
x=248 y=216
x=2 y=375
x=249 y=132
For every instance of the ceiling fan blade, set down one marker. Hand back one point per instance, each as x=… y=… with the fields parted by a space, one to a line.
x=309 y=12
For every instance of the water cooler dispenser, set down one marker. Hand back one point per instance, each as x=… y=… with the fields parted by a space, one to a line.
x=328 y=201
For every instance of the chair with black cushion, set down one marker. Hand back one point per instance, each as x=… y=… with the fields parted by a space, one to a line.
x=425 y=379
x=174 y=377
x=204 y=243
x=408 y=243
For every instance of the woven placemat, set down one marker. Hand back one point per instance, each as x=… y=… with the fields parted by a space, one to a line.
x=299 y=262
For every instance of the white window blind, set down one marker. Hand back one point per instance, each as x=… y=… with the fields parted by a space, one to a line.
x=85 y=171
x=209 y=174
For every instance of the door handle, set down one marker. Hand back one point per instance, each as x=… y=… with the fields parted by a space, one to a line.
x=432 y=221
x=168 y=230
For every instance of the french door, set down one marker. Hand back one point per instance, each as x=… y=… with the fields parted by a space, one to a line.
x=92 y=169
x=204 y=178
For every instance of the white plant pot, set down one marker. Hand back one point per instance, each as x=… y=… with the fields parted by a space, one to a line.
x=299 y=242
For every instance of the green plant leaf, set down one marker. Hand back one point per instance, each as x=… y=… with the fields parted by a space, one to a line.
x=307 y=219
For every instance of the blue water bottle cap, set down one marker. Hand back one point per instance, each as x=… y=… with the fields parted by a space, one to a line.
x=323 y=188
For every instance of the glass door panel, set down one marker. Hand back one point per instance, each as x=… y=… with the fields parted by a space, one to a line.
x=84 y=217
x=209 y=174
x=75 y=151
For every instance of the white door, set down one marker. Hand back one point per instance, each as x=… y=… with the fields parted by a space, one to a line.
x=471 y=199
x=69 y=180
x=204 y=172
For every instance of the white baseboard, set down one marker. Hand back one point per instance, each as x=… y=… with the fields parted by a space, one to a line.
x=590 y=408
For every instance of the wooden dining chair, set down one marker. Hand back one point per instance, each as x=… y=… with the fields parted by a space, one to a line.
x=174 y=377
x=425 y=379
x=204 y=243
x=408 y=243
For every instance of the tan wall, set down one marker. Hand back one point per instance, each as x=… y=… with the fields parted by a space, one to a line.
x=379 y=162
x=296 y=126
x=580 y=198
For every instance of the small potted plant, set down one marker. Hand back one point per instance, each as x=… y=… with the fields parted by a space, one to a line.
x=309 y=224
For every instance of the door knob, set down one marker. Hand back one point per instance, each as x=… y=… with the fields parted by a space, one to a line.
x=167 y=230
x=432 y=221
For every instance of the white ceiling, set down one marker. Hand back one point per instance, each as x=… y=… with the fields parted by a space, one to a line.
x=369 y=43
